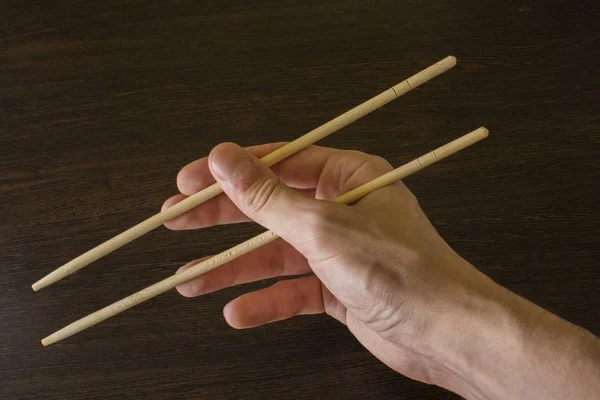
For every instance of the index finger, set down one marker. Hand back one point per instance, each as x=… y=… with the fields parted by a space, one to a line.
x=300 y=171
x=322 y=172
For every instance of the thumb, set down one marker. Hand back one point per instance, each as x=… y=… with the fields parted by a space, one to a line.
x=261 y=195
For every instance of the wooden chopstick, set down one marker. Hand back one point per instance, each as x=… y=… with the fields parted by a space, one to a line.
x=208 y=193
x=261 y=240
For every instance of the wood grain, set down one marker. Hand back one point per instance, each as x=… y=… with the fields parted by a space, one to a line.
x=101 y=103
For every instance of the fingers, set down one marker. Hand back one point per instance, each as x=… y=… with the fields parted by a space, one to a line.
x=196 y=175
x=283 y=300
x=347 y=171
x=342 y=169
x=301 y=170
x=324 y=173
x=216 y=211
x=262 y=196
x=273 y=260
x=220 y=210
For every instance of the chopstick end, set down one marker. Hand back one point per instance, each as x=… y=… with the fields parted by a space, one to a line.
x=48 y=340
x=451 y=60
x=45 y=281
x=37 y=286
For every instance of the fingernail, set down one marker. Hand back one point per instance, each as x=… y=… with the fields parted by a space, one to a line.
x=191 y=264
x=227 y=310
x=229 y=162
x=191 y=288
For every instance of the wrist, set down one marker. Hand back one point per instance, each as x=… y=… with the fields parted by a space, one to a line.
x=497 y=345
x=480 y=324
x=487 y=328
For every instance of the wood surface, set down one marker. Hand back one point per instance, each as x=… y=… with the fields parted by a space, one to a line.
x=101 y=103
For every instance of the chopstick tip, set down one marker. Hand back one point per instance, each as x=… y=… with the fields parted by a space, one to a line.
x=45 y=281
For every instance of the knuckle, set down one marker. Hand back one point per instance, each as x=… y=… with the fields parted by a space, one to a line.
x=408 y=197
x=274 y=265
x=377 y=164
x=324 y=218
x=412 y=200
x=260 y=194
x=371 y=160
x=355 y=154
x=365 y=166
x=328 y=225
x=381 y=162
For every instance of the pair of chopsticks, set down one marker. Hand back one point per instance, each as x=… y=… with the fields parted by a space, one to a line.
x=269 y=236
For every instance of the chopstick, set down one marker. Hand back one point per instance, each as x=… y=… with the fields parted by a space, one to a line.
x=262 y=239
x=276 y=156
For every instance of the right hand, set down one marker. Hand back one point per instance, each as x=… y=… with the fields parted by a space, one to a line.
x=379 y=266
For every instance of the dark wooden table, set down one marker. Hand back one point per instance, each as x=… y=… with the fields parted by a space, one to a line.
x=103 y=102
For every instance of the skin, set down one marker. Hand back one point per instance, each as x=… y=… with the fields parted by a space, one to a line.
x=380 y=267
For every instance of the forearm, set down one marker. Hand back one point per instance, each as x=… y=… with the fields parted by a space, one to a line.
x=508 y=348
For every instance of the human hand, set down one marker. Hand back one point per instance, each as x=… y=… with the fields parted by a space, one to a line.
x=379 y=265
